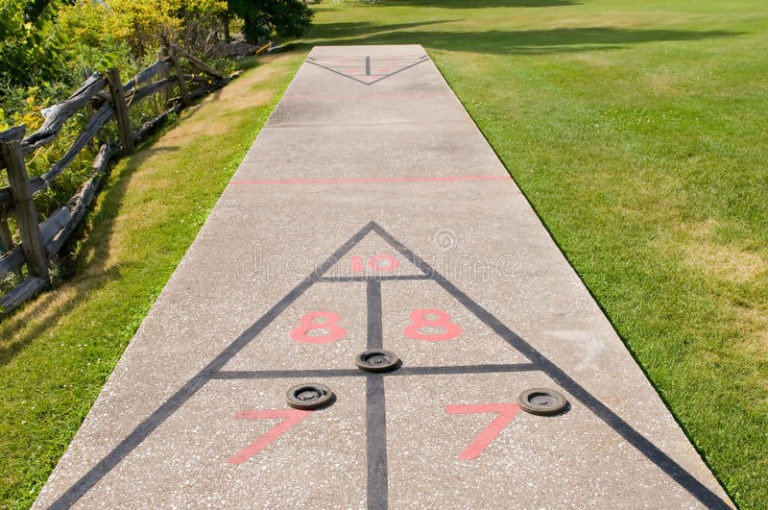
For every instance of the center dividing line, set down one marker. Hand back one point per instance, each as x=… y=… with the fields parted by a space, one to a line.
x=393 y=179
x=375 y=408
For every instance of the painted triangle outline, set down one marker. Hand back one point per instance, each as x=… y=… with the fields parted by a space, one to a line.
x=377 y=498
x=378 y=78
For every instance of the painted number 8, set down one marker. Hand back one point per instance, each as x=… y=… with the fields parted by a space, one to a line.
x=312 y=321
x=443 y=321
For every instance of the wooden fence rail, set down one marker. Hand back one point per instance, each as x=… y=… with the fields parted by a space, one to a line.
x=41 y=241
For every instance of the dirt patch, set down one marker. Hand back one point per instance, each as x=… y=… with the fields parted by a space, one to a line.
x=663 y=84
x=725 y=262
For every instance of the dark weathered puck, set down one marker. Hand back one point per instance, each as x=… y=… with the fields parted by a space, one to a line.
x=542 y=401
x=309 y=396
x=377 y=360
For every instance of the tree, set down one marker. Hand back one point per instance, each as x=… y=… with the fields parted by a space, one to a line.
x=288 y=18
x=30 y=49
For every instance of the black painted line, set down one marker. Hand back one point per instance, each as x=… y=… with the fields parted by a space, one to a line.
x=368 y=83
x=286 y=374
x=378 y=278
x=170 y=406
x=376 y=435
x=624 y=429
x=131 y=441
x=352 y=372
x=373 y=298
x=423 y=59
x=465 y=369
x=337 y=72
x=367 y=66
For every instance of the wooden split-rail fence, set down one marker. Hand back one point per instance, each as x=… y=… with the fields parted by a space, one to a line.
x=41 y=241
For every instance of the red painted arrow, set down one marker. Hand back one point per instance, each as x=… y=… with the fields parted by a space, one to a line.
x=290 y=417
x=481 y=442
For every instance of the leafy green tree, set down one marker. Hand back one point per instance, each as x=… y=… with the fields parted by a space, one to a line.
x=288 y=18
x=31 y=49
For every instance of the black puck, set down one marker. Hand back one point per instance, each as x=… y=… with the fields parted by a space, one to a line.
x=542 y=401
x=309 y=396
x=377 y=360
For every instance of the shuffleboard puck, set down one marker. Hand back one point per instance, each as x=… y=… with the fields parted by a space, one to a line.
x=542 y=401
x=377 y=360
x=309 y=396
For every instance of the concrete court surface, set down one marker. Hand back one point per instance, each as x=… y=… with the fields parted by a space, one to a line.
x=371 y=212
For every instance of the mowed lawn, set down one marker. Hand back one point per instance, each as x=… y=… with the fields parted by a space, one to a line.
x=636 y=129
x=639 y=132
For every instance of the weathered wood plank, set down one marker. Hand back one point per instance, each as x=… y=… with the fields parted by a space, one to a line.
x=14 y=133
x=79 y=203
x=162 y=65
x=159 y=68
x=50 y=231
x=9 y=135
x=149 y=90
x=59 y=114
x=201 y=91
x=11 y=261
x=26 y=213
x=179 y=77
x=101 y=117
x=24 y=291
x=148 y=127
x=197 y=62
x=121 y=110
x=53 y=224
x=5 y=235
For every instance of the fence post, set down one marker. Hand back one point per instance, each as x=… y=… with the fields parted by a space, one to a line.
x=121 y=109
x=179 y=76
x=6 y=239
x=26 y=213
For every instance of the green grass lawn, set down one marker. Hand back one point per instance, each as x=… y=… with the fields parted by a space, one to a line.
x=639 y=132
x=636 y=129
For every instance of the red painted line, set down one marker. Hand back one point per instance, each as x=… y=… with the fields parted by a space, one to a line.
x=290 y=417
x=367 y=96
x=394 y=179
x=481 y=442
x=383 y=57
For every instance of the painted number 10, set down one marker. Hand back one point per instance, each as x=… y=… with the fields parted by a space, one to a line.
x=377 y=263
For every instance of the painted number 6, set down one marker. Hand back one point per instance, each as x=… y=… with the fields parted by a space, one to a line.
x=318 y=320
x=443 y=321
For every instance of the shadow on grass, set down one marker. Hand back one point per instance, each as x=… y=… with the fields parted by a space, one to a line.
x=87 y=271
x=476 y=4
x=557 y=40
x=366 y=28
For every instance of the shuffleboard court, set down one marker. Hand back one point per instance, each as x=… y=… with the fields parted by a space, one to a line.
x=370 y=213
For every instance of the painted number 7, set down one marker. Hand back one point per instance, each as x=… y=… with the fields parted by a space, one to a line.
x=505 y=414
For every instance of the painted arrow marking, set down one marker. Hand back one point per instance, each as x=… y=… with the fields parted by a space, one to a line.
x=290 y=417
x=506 y=413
